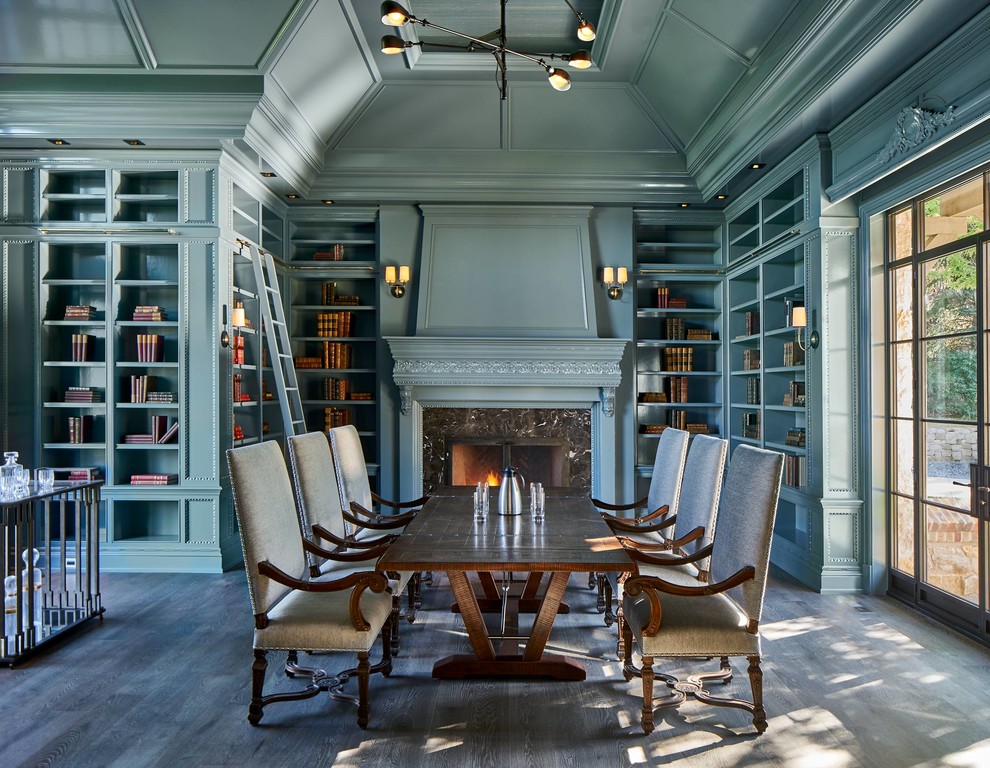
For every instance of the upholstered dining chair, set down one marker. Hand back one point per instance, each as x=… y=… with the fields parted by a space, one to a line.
x=660 y=504
x=292 y=612
x=720 y=618
x=321 y=516
x=356 y=497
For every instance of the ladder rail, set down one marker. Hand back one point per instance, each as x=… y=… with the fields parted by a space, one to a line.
x=276 y=334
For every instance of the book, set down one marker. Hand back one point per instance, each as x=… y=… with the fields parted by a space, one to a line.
x=170 y=434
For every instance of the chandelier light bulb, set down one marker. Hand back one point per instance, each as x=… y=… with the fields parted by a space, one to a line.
x=394 y=15
x=559 y=79
x=392 y=44
x=579 y=59
x=586 y=31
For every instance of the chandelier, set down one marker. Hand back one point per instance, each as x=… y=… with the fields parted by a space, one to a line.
x=394 y=15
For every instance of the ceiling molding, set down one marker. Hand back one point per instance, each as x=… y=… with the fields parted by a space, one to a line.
x=283 y=37
x=135 y=30
x=777 y=93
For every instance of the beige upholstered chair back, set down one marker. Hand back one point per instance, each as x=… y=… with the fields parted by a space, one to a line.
x=665 y=483
x=745 y=522
x=266 y=516
x=316 y=484
x=348 y=463
x=701 y=487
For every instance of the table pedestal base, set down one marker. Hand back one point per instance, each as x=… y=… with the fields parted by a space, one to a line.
x=464 y=665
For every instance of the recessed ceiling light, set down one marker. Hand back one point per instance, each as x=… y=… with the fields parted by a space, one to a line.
x=327 y=202
x=58 y=142
x=292 y=196
x=134 y=142
x=723 y=196
x=757 y=166
x=685 y=205
x=268 y=174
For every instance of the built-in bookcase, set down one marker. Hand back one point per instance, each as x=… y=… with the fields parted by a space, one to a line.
x=331 y=294
x=678 y=289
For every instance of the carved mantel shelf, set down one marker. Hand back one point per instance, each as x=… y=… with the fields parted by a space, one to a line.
x=506 y=362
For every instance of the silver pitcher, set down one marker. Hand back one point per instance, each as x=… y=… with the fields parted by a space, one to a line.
x=510 y=492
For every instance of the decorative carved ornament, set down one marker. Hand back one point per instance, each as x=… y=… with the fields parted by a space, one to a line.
x=507 y=367
x=914 y=127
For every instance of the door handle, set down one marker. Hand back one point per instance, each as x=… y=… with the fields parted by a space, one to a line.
x=964 y=485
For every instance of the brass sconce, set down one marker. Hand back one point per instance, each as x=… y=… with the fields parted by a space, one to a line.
x=224 y=336
x=614 y=279
x=237 y=320
x=397 y=284
x=799 y=319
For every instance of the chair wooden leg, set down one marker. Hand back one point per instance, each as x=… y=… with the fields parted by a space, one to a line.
x=386 y=663
x=363 y=669
x=602 y=583
x=627 y=641
x=756 y=683
x=607 y=602
x=412 y=590
x=594 y=579
x=647 y=719
x=396 y=610
x=257 y=686
x=291 y=662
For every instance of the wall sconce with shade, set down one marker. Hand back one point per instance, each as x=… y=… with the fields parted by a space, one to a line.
x=614 y=279
x=237 y=320
x=397 y=281
x=799 y=320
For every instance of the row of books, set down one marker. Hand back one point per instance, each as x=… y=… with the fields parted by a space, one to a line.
x=151 y=313
x=751 y=426
x=335 y=355
x=795 y=394
x=335 y=417
x=676 y=420
x=751 y=360
x=82 y=346
x=80 y=429
x=80 y=312
x=141 y=391
x=795 y=470
x=154 y=478
x=80 y=473
x=334 y=324
x=752 y=390
x=666 y=301
x=793 y=354
x=239 y=396
x=330 y=297
x=678 y=359
x=161 y=433
x=334 y=253
x=237 y=350
x=795 y=437
x=150 y=347
x=752 y=323
x=83 y=395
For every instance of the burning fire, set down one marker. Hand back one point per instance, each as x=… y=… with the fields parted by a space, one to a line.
x=493 y=479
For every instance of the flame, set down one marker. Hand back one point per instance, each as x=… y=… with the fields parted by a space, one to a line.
x=493 y=479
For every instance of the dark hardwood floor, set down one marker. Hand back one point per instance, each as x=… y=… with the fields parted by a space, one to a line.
x=164 y=681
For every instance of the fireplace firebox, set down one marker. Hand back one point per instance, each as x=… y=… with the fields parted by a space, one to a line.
x=474 y=460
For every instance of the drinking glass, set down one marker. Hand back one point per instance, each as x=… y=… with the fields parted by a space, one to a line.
x=481 y=502
x=46 y=478
x=537 y=501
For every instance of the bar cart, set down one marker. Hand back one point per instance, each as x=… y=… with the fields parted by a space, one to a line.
x=51 y=565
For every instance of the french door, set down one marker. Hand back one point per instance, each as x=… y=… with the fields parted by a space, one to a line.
x=938 y=249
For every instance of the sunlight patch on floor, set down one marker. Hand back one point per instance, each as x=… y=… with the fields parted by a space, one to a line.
x=439 y=744
x=636 y=755
x=780 y=630
x=975 y=756
x=891 y=635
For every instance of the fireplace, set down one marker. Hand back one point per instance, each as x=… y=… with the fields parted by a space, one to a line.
x=470 y=461
x=549 y=445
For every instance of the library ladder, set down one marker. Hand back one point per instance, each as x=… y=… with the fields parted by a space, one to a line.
x=276 y=334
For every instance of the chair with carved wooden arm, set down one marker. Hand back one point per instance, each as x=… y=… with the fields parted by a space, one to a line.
x=321 y=516
x=693 y=525
x=356 y=497
x=671 y=617
x=660 y=503
x=291 y=612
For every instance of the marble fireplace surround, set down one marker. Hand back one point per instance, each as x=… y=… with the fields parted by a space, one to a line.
x=494 y=373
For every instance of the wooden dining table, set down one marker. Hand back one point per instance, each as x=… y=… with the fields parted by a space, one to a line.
x=444 y=536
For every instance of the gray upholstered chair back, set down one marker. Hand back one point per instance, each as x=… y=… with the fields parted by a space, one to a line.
x=266 y=516
x=316 y=484
x=348 y=463
x=665 y=483
x=701 y=487
x=745 y=522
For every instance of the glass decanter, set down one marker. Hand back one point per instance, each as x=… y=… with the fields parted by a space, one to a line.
x=10 y=607
x=36 y=583
x=10 y=476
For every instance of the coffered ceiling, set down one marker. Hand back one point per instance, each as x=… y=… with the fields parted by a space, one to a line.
x=682 y=94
